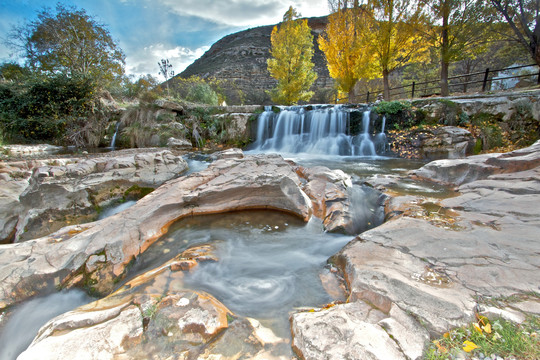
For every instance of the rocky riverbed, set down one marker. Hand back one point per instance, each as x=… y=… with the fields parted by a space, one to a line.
x=428 y=268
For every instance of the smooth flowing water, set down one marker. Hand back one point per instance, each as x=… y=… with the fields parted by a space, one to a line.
x=320 y=129
x=269 y=262
x=21 y=326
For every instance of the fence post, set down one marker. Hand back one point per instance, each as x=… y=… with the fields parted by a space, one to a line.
x=367 y=98
x=412 y=92
x=484 y=84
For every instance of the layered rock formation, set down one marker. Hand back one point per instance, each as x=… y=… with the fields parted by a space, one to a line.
x=41 y=196
x=241 y=58
x=436 y=263
x=97 y=255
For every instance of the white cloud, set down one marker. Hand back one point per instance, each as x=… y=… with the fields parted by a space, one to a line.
x=244 y=12
x=146 y=60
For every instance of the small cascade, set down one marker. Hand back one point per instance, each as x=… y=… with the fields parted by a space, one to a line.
x=113 y=141
x=321 y=129
x=381 y=143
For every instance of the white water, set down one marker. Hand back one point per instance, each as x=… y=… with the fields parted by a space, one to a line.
x=23 y=323
x=113 y=141
x=321 y=130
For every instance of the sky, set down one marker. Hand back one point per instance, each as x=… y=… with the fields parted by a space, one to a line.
x=150 y=30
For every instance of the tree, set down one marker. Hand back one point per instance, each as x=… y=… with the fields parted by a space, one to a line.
x=71 y=42
x=347 y=58
x=457 y=31
x=393 y=36
x=523 y=17
x=11 y=71
x=165 y=69
x=291 y=64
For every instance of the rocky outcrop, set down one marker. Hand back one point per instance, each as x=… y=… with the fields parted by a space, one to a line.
x=153 y=316
x=436 y=263
x=42 y=196
x=447 y=142
x=461 y=171
x=241 y=58
x=97 y=254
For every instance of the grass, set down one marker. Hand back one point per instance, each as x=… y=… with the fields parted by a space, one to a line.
x=500 y=337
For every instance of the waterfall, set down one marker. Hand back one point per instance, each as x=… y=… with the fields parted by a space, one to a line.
x=381 y=143
x=320 y=129
x=113 y=141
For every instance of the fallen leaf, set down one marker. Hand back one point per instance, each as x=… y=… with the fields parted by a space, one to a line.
x=487 y=328
x=469 y=346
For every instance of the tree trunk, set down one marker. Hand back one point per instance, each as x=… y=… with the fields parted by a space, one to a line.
x=386 y=85
x=444 y=78
x=444 y=49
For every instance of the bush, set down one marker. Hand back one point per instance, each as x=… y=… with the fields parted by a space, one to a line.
x=202 y=93
x=46 y=109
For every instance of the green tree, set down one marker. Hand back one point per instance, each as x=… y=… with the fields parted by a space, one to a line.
x=291 y=64
x=11 y=71
x=71 y=42
x=457 y=31
x=523 y=17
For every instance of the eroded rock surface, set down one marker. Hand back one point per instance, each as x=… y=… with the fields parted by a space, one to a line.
x=154 y=317
x=436 y=262
x=97 y=254
x=39 y=197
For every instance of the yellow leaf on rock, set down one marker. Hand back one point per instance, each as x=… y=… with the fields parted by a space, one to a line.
x=469 y=346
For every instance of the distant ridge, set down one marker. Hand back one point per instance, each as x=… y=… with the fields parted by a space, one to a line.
x=241 y=57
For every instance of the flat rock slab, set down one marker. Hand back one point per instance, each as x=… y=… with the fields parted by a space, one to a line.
x=436 y=262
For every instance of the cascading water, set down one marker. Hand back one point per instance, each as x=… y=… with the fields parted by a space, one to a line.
x=113 y=141
x=381 y=143
x=324 y=130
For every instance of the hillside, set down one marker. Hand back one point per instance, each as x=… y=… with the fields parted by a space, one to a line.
x=241 y=58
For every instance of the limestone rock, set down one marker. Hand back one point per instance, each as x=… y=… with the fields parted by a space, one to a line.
x=447 y=142
x=179 y=144
x=461 y=171
x=169 y=105
x=61 y=191
x=348 y=331
x=254 y=182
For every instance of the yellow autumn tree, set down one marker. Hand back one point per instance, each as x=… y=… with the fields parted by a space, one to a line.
x=342 y=43
x=394 y=37
x=290 y=63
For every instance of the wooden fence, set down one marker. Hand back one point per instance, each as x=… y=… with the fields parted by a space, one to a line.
x=432 y=87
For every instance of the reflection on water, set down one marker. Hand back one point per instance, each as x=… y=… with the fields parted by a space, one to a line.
x=22 y=325
x=269 y=262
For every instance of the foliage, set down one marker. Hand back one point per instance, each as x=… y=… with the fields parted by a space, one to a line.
x=202 y=93
x=291 y=64
x=523 y=17
x=56 y=109
x=71 y=42
x=499 y=337
x=393 y=36
x=11 y=71
x=346 y=56
x=197 y=90
x=391 y=107
x=140 y=87
x=457 y=31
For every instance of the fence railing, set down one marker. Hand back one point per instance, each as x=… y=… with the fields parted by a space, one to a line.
x=486 y=78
